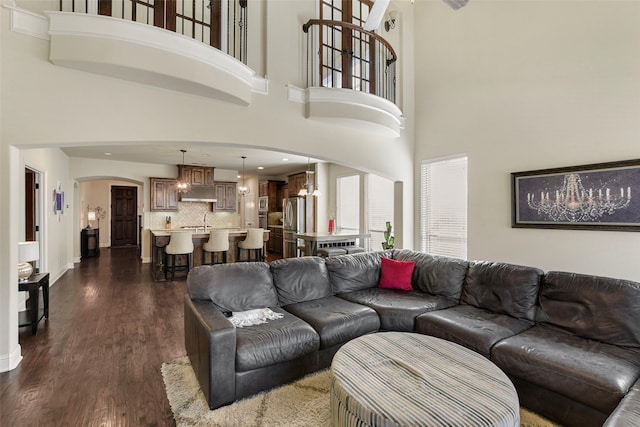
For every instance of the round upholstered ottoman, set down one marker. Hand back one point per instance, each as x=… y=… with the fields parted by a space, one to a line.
x=406 y=379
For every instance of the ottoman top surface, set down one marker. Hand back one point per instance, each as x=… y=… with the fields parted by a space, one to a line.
x=396 y=378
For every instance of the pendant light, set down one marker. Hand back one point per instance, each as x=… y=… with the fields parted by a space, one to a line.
x=182 y=185
x=243 y=190
x=305 y=190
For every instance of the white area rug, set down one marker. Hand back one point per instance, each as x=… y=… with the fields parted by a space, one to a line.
x=304 y=403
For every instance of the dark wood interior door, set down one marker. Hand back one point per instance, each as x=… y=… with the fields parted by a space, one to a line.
x=124 y=216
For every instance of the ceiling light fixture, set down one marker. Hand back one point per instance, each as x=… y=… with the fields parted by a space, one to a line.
x=243 y=190
x=306 y=187
x=182 y=185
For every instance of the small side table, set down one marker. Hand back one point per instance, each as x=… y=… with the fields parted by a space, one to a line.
x=33 y=315
x=89 y=242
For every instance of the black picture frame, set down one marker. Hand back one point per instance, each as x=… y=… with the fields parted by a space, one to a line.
x=600 y=196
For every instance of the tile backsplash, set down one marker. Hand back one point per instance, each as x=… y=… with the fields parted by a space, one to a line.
x=192 y=214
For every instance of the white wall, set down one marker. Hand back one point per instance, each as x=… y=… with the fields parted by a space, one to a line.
x=44 y=106
x=530 y=85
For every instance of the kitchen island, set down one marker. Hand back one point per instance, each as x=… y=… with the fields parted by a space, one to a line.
x=160 y=239
x=318 y=240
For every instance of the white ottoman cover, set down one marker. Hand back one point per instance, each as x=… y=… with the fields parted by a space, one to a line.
x=406 y=379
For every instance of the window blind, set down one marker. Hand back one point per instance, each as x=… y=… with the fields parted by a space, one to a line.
x=348 y=203
x=379 y=209
x=443 y=207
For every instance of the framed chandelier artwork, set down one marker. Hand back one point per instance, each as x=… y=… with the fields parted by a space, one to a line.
x=603 y=196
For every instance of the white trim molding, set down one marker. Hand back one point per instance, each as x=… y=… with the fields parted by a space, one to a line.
x=28 y=23
x=363 y=110
x=11 y=361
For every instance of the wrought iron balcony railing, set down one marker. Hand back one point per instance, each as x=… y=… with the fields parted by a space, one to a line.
x=219 y=23
x=343 y=55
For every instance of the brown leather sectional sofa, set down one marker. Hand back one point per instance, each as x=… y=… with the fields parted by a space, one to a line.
x=569 y=342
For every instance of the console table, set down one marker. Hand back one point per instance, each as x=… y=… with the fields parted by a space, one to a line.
x=32 y=316
x=89 y=242
x=318 y=240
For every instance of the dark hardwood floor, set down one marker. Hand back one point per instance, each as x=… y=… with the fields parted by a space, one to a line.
x=96 y=361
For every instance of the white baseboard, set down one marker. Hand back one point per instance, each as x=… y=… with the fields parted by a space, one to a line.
x=11 y=361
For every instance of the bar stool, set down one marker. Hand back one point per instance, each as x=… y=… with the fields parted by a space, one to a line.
x=181 y=243
x=253 y=242
x=218 y=243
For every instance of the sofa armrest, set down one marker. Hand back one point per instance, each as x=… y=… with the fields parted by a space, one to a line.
x=210 y=341
x=627 y=413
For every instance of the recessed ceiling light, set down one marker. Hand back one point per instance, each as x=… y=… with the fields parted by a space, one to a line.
x=260 y=167
x=107 y=154
x=238 y=176
x=285 y=159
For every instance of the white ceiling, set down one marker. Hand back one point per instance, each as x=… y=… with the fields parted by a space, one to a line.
x=219 y=156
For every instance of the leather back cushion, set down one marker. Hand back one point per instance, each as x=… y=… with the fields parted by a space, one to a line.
x=502 y=288
x=300 y=279
x=233 y=287
x=437 y=275
x=598 y=308
x=355 y=272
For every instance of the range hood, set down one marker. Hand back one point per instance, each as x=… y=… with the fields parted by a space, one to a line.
x=199 y=193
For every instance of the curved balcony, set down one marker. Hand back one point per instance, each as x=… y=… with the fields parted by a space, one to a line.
x=351 y=76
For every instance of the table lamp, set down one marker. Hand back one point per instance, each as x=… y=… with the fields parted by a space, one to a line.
x=27 y=251
x=91 y=216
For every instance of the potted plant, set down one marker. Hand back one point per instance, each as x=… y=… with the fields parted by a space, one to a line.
x=388 y=238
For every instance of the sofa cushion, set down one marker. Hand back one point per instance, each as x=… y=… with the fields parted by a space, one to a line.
x=469 y=326
x=396 y=274
x=277 y=341
x=502 y=288
x=355 y=272
x=595 y=374
x=233 y=287
x=300 y=279
x=437 y=275
x=398 y=309
x=598 y=308
x=627 y=413
x=336 y=320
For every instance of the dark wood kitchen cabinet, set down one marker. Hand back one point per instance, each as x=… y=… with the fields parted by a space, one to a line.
x=296 y=183
x=275 y=243
x=196 y=175
x=225 y=196
x=164 y=195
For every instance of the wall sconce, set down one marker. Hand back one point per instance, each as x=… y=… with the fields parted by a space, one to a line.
x=390 y=23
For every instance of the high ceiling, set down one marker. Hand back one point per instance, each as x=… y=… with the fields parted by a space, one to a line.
x=219 y=156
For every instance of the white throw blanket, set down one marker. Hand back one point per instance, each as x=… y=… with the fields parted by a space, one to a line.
x=253 y=317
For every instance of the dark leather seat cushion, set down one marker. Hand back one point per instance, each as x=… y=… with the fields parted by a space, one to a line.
x=233 y=287
x=398 y=309
x=336 y=320
x=354 y=272
x=593 y=373
x=471 y=327
x=502 y=288
x=274 y=342
x=436 y=275
x=300 y=279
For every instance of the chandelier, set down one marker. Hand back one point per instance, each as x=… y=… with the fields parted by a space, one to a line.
x=573 y=203
x=243 y=190
x=182 y=185
x=306 y=187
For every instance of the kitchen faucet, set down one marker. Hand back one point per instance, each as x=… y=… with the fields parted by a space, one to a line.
x=205 y=222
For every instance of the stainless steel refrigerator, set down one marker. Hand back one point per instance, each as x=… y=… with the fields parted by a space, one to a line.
x=293 y=221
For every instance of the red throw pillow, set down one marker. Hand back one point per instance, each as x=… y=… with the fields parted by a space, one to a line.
x=396 y=274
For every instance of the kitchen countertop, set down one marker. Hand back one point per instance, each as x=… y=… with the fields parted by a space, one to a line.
x=276 y=226
x=201 y=233
x=325 y=236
